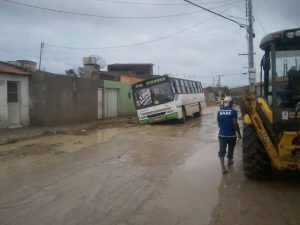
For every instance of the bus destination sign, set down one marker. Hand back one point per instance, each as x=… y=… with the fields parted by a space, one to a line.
x=150 y=82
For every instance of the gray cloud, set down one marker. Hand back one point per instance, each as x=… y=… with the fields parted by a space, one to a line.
x=208 y=49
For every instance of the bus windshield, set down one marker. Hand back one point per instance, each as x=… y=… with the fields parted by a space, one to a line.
x=143 y=98
x=162 y=93
x=154 y=95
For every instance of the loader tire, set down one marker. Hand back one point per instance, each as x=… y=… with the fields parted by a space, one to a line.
x=256 y=162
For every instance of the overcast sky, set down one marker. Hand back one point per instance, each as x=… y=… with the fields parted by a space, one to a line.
x=197 y=43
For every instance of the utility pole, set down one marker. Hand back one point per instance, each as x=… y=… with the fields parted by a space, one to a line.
x=218 y=85
x=219 y=80
x=157 y=67
x=252 y=71
x=41 y=52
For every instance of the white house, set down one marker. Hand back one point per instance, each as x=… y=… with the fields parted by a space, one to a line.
x=14 y=96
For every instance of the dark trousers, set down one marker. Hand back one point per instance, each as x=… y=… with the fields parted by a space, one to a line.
x=224 y=142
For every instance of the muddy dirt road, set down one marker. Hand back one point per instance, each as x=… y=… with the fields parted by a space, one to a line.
x=139 y=175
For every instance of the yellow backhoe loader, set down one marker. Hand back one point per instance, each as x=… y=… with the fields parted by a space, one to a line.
x=271 y=134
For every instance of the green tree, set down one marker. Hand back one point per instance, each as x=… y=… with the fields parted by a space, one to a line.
x=77 y=72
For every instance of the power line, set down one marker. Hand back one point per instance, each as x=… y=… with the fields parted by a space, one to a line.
x=131 y=45
x=237 y=17
x=140 y=3
x=206 y=9
x=96 y=15
x=213 y=2
x=260 y=23
x=135 y=44
x=225 y=75
x=231 y=16
x=158 y=4
x=215 y=34
x=104 y=16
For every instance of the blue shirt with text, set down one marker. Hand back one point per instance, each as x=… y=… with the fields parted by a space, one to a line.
x=226 y=117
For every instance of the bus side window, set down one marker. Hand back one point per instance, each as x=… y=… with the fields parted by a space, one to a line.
x=183 y=88
x=195 y=87
x=173 y=85
x=178 y=89
x=198 y=87
x=187 y=86
x=199 y=90
x=201 y=86
x=192 y=86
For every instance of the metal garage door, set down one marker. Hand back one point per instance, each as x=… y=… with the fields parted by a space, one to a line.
x=111 y=103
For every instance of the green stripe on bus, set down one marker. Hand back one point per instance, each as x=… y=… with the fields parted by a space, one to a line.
x=171 y=116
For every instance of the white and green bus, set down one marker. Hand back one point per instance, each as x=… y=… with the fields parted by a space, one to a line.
x=167 y=98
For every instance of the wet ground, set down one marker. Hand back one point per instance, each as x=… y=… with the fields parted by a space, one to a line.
x=138 y=175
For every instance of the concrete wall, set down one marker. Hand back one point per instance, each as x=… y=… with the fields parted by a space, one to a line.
x=125 y=104
x=23 y=99
x=60 y=99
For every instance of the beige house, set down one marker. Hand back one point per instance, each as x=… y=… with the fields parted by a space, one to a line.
x=14 y=96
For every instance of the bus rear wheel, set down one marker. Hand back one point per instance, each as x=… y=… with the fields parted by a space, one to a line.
x=198 y=114
x=183 y=119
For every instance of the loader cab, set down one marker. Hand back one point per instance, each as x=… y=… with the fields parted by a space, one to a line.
x=280 y=78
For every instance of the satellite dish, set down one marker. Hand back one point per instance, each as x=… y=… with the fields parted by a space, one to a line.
x=100 y=61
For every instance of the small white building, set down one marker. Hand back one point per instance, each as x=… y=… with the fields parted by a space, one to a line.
x=14 y=96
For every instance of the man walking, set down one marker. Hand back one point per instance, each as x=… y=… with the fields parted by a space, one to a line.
x=229 y=127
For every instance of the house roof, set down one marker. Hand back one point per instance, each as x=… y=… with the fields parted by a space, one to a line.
x=12 y=69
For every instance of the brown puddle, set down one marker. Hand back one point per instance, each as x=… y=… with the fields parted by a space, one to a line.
x=191 y=192
x=58 y=143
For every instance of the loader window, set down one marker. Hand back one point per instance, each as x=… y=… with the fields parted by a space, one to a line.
x=287 y=60
x=288 y=78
